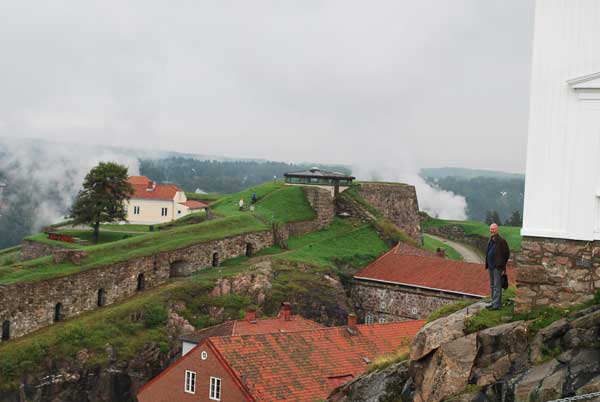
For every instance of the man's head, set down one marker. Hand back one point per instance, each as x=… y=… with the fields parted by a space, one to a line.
x=493 y=229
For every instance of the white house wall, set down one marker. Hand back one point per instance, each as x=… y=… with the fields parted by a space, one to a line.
x=563 y=172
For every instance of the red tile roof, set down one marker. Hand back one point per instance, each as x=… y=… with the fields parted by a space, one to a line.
x=258 y=326
x=141 y=186
x=431 y=272
x=308 y=365
x=192 y=204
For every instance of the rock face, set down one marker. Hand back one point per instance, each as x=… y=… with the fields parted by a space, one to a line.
x=556 y=272
x=499 y=364
x=32 y=249
x=382 y=386
x=397 y=202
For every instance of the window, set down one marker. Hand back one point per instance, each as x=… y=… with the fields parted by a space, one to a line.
x=215 y=389
x=382 y=320
x=369 y=319
x=163 y=212
x=136 y=210
x=190 y=382
x=413 y=311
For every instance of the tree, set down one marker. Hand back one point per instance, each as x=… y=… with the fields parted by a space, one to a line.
x=488 y=217
x=515 y=219
x=105 y=190
x=496 y=217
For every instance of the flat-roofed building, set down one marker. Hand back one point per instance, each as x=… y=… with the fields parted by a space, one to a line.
x=333 y=181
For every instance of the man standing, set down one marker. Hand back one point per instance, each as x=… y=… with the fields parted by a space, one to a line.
x=495 y=262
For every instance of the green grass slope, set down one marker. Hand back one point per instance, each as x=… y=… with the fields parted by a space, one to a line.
x=512 y=234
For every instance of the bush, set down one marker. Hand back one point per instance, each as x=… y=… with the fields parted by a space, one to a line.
x=154 y=315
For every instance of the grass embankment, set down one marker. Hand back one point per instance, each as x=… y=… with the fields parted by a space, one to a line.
x=275 y=203
x=431 y=244
x=147 y=244
x=129 y=227
x=205 y=198
x=512 y=234
x=10 y=255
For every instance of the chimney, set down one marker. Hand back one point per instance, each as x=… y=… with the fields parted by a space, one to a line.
x=352 y=328
x=286 y=311
x=250 y=315
x=440 y=252
x=151 y=185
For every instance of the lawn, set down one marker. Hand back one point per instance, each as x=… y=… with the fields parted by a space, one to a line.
x=128 y=227
x=206 y=198
x=431 y=244
x=228 y=205
x=137 y=246
x=512 y=234
x=356 y=248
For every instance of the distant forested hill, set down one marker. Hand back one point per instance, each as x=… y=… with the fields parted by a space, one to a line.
x=488 y=191
x=218 y=176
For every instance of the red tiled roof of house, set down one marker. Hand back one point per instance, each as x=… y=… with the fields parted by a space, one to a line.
x=141 y=185
x=255 y=326
x=431 y=272
x=308 y=365
x=192 y=204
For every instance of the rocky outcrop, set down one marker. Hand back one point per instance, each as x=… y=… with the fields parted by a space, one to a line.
x=381 y=386
x=255 y=283
x=499 y=364
x=31 y=250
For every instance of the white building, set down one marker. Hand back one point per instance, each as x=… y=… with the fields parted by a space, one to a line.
x=562 y=189
x=157 y=203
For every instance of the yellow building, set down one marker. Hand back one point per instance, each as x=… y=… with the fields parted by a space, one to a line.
x=157 y=203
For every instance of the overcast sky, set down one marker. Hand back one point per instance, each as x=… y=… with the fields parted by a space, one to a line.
x=412 y=82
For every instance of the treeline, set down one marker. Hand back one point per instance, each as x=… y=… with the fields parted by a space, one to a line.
x=486 y=196
x=218 y=176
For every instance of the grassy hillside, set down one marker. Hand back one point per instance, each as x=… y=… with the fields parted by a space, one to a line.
x=512 y=234
x=431 y=244
x=147 y=244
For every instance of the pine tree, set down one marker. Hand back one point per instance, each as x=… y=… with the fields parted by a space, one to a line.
x=488 y=217
x=495 y=217
x=515 y=219
x=105 y=190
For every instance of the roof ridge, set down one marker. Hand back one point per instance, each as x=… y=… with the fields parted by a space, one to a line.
x=340 y=327
x=433 y=257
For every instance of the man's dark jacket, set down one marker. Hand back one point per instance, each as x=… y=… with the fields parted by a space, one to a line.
x=501 y=254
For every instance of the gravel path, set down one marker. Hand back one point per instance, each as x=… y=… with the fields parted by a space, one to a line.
x=468 y=254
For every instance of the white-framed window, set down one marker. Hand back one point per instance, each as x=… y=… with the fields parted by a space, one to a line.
x=369 y=319
x=215 y=389
x=163 y=212
x=190 y=382
x=382 y=320
x=136 y=210
x=413 y=311
x=382 y=305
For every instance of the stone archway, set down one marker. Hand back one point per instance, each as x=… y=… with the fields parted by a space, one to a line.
x=215 y=259
x=179 y=268
x=101 y=297
x=141 y=282
x=5 y=330
x=249 y=249
x=58 y=314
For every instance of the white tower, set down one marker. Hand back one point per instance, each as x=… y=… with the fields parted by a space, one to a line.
x=562 y=189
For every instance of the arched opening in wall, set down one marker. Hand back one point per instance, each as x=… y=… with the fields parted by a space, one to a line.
x=101 y=297
x=178 y=268
x=141 y=282
x=6 y=330
x=215 y=259
x=249 y=249
x=58 y=312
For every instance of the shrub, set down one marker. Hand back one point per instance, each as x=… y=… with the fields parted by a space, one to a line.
x=384 y=361
x=154 y=315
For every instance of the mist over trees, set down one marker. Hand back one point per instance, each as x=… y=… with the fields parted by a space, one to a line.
x=485 y=195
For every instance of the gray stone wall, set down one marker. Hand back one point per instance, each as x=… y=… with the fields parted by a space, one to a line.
x=397 y=202
x=396 y=302
x=31 y=305
x=556 y=272
x=31 y=250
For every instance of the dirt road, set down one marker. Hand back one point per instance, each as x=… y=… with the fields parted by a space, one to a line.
x=468 y=254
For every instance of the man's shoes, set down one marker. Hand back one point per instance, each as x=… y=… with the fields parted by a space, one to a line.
x=492 y=308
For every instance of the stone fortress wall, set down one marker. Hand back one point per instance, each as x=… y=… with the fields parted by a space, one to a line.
x=28 y=306
x=397 y=202
x=556 y=272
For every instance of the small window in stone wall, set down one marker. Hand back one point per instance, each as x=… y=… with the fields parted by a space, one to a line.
x=369 y=319
x=101 y=297
x=382 y=320
x=6 y=330
x=58 y=312
x=141 y=282
x=382 y=305
x=414 y=311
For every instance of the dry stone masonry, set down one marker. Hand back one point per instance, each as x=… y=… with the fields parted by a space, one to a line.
x=29 y=306
x=397 y=202
x=556 y=272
